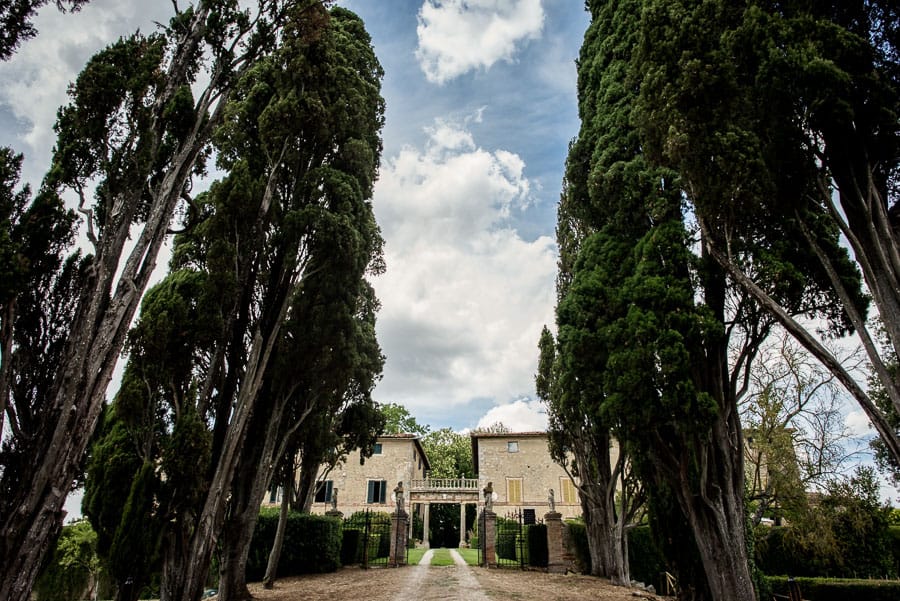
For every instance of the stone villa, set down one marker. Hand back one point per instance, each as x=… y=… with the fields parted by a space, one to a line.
x=517 y=464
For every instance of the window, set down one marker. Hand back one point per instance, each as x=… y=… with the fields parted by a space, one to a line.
x=323 y=491
x=377 y=448
x=514 y=491
x=512 y=446
x=376 y=492
x=567 y=491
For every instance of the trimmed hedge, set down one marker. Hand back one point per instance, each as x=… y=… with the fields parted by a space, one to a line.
x=312 y=544
x=578 y=545
x=645 y=561
x=835 y=589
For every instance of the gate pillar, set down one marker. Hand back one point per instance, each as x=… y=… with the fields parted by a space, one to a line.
x=487 y=533
x=556 y=549
x=399 y=521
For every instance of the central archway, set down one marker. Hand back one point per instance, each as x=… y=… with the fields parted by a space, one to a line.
x=455 y=493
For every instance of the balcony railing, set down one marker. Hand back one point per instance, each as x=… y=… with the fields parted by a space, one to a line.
x=444 y=484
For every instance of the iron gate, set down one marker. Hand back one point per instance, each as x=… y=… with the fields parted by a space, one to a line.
x=510 y=548
x=366 y=539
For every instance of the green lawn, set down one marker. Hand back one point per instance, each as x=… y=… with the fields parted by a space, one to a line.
x=414 y=556
x=442 y=557
x=470 y=555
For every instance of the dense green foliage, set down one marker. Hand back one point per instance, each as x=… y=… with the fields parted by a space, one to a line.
x=846 y=535
x=312 y=545
x=578 y=545
x=73 y=569
x=398 y=420
x=354 y=547
x=833 y=589
x=645 y=561
x=269 y=274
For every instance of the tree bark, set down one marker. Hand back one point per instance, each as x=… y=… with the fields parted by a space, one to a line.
x=602 y=524
x=278 y=543
x=252 y=479
x=186 y=583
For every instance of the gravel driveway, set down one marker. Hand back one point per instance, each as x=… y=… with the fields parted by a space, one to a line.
x=432 y=583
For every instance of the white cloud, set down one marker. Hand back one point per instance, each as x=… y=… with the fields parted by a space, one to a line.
x=456 y=36
x=858 y=424
x=36 y=78
x=522 y=415
x=464 y=297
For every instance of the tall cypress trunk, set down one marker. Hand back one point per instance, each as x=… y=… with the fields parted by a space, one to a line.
x=254 y=474
x=278 y=543
x=601 y=521
x=306 y=486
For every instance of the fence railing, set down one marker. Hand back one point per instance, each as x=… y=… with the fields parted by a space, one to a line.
x=444 y=484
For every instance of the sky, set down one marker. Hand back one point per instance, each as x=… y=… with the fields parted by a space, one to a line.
x=481 y=106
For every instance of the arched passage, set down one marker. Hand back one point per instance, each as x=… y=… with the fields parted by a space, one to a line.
x=460 y=492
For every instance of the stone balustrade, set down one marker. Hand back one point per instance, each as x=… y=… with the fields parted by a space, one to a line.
x=440 y=484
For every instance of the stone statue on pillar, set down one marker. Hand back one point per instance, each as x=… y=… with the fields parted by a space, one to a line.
x=398 y=496
x=489 y=496
x=551 y=500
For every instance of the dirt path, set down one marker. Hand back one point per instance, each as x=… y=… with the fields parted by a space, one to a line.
x=439 y=583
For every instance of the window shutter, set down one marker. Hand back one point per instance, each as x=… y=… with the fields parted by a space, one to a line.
x=383 y=488
x=568 y=491
x=371 y=496
x=514 y=490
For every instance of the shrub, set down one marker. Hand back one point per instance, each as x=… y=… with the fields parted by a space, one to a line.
x=312 y=544
x=536 y=537
x=506 y=547
x=474 y=541
x=645 y=561
x=834 y=589
x=576 y=539
x=73 y=566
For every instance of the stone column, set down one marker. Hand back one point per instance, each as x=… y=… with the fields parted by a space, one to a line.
x=487 y=533
x=425 y=543
x=556 y=550
x=399 y=522
x=462 y=525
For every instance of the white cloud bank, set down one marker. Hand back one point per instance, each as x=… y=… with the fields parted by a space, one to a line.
x=464 y=297
x=858 y=425
x=456 y=36
x=523 y=415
